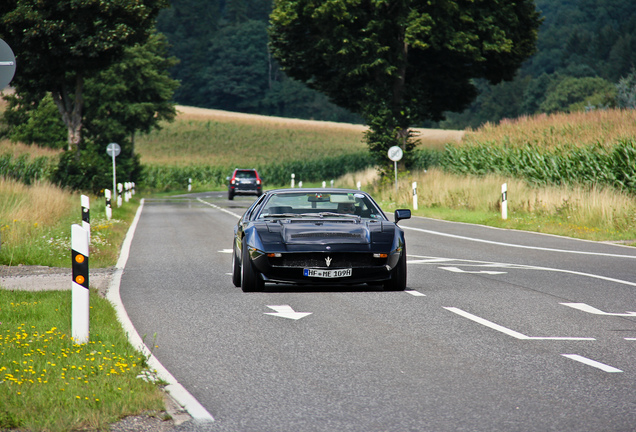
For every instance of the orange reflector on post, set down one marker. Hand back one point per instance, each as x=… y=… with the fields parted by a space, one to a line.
x=79 y=279
x=80 y=259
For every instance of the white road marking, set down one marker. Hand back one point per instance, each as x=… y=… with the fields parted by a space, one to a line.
x=517 y=245
x=590 y=309
x=458 y=270
x=630 y=339
x=475 y=263
x=506 y=330
x=227 y=251
x=238 y=216
x=285 y=311
x=174 y=387
x=593 y=363
x=415 y=293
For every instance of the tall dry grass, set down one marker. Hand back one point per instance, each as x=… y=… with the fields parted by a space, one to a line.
x=560 y=129
x=596 y=213
x=19 y=149
x=23 y=208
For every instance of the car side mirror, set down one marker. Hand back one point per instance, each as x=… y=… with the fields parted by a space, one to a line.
x=402 y=214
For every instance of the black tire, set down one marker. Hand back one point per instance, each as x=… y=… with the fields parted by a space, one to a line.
x=252 y=280
x=236 y=268
x=230 y=196
x=398 y=278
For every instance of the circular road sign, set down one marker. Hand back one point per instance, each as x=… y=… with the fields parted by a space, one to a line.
x=113 y=149
x=7 y=64
x=395 y=153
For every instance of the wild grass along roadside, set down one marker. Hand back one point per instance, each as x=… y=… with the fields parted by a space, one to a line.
x=48 y=382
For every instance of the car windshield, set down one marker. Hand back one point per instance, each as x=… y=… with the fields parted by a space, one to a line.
x=319 y=204
x=245 y=174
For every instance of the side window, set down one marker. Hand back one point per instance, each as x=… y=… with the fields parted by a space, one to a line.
x=251 y=212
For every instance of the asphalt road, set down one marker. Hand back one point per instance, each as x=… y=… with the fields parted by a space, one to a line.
x=498 y=331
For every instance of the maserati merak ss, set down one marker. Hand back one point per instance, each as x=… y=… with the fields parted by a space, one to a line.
x=318 y=237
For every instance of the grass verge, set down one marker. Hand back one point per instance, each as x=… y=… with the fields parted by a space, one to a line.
x=48 y=382
x=35 y=225
x=600 y=214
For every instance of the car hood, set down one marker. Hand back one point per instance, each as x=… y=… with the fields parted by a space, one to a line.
x=291 y=232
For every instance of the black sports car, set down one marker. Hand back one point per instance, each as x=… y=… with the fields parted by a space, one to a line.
x=318 y=236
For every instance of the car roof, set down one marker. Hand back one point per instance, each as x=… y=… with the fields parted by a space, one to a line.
x=316 y=189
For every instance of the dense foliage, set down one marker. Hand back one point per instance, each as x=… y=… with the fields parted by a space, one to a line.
x=584 y=49
x=113 y=83
x=577 y=41
x=60 y=43
x=402 y=62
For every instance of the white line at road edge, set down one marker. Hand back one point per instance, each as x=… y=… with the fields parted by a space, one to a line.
x=238 y=216
x=593 y=363
x=174 y=388
x=516 y=245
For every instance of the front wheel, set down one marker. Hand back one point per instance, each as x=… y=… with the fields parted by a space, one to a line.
x=236 y=268
x=252 y=280
x=398 y=278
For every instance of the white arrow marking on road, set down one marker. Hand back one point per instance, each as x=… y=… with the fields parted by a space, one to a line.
x=593 y=363
x=458 y=270
x=285 y=311
x=590 y=309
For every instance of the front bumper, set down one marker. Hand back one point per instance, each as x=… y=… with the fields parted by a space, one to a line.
x=289 y=267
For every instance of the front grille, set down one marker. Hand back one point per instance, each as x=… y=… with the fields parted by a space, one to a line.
x=318 y=260
x=326 y=235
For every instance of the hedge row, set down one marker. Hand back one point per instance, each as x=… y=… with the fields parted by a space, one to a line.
x=592 y=165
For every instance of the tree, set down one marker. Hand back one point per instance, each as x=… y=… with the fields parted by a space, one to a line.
x=576 y=94
x=133 y=95
x=626 y=89
x=59 y=43
x=398 y=62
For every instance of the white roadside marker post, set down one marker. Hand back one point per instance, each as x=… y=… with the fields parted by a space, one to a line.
x=324 y=184
x=86 y=215
x=189 y=185
x=109 y=208
x=80 y=297
x=359 y=185
x=293 y=177
x=504 y=201
x=414 y=195
x=120 y=189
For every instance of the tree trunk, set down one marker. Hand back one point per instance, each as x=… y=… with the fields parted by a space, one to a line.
x=71 y=111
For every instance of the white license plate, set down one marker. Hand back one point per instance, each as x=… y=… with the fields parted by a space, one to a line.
x=336 y=273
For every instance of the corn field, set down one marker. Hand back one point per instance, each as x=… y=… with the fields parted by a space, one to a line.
x=593 y=165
